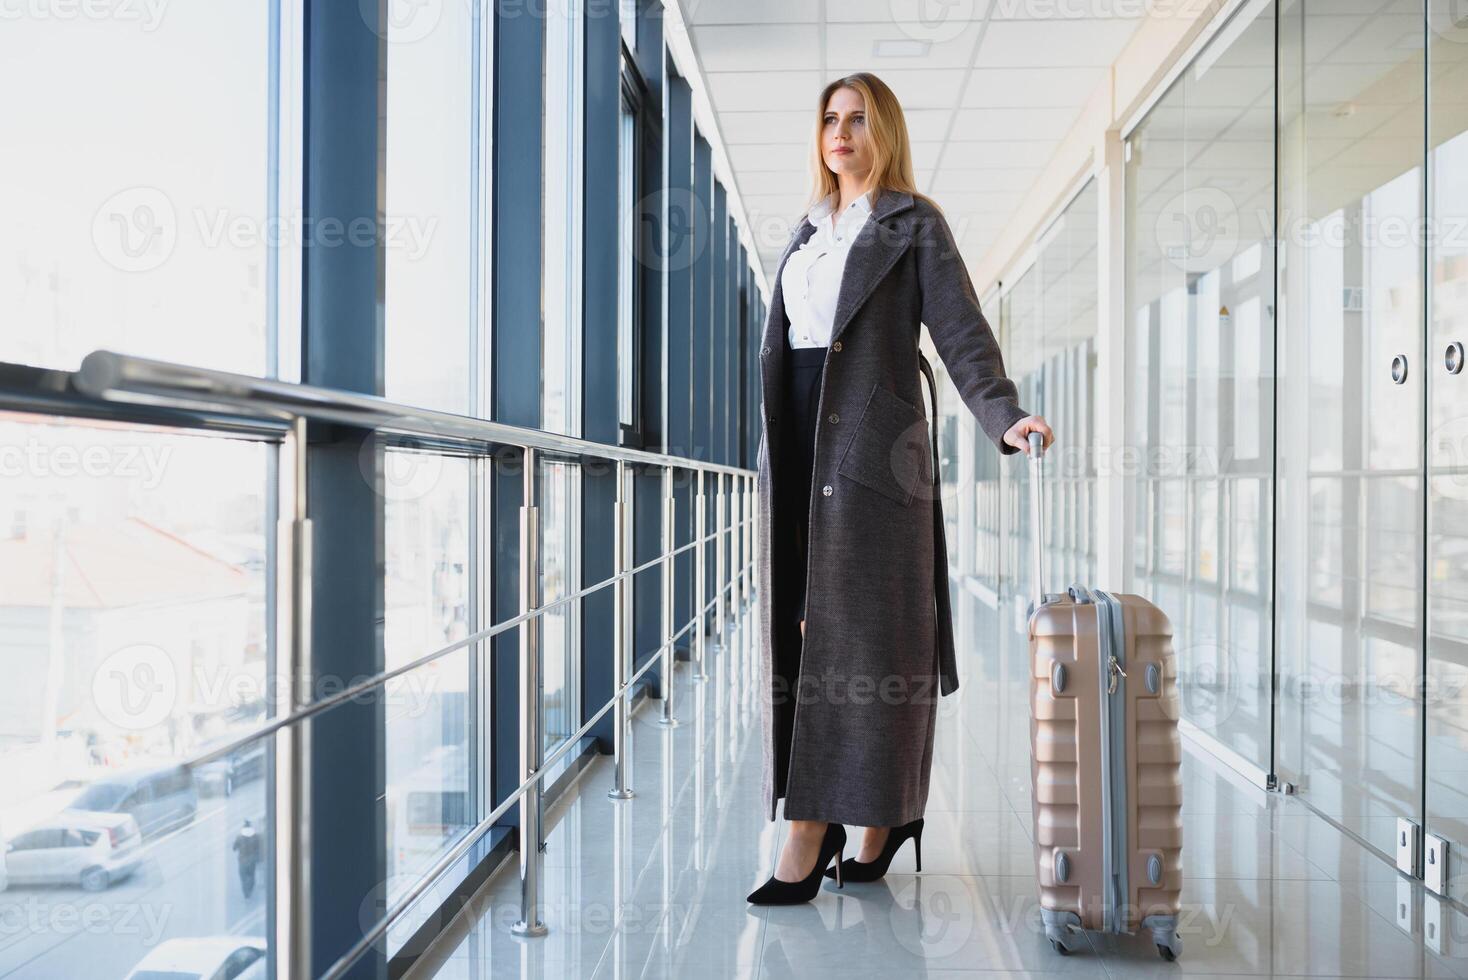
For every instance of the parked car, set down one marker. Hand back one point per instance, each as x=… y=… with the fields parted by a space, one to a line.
x=222 y=776
x=204 y=958
x=159 y=799
x=92 y=850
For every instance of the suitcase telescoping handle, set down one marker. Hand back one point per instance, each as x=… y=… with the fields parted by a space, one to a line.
x=1037 y=514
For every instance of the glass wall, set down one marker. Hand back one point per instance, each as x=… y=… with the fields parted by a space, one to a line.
x=562 y=133
x=138 y=206
x=1350 y=540
x=434 y=234
x=1200 y=375
x=1050 y=350
x=134 y=566
x=1447 y=431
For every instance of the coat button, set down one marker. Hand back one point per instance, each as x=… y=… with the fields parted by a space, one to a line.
x=834 y=418
x=764 y=350
x=836 y=346
x=826 y=490
x=772 y=420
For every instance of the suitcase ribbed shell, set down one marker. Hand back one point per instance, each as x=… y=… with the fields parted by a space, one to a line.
x=1066 y=764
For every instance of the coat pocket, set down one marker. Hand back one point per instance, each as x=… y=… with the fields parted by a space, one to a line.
x=889 y=452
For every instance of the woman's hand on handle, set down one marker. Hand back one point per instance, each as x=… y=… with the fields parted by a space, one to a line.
x=1018 y=434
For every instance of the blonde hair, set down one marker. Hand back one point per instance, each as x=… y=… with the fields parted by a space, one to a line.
x=886 y=127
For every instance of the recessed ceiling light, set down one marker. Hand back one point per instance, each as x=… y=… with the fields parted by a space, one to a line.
x=901 y=48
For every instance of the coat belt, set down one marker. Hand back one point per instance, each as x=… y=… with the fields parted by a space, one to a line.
x=947 y=659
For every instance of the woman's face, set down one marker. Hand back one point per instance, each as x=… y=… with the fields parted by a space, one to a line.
x=844 y=144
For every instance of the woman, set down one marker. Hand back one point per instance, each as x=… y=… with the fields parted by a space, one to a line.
x=853 y=589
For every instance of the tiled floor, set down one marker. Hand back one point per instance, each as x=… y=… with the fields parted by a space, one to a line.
x=655 y=886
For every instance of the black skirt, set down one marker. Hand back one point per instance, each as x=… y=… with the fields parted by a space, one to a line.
x=791 y=524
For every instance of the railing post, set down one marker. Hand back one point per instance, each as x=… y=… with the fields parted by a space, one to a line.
x=622 y=638
x=700 y=577
x=531 y=747
x=292 y=859
x=669 y=538
x=722 y=578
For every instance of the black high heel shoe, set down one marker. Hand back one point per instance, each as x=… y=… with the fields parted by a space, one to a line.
x=777 y=892
x=854 y=870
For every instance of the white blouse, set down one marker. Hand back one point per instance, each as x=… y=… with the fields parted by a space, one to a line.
x=811 y=281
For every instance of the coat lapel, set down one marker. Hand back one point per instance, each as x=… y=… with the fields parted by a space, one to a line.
x=875 y=251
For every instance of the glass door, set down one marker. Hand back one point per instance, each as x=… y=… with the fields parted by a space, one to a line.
x=1350 y=457
x=1447 y=433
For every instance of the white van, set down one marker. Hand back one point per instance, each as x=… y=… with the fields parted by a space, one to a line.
x=91 y=850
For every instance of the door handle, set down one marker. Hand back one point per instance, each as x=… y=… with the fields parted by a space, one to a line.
x=1453 y=357
x=1399 y=369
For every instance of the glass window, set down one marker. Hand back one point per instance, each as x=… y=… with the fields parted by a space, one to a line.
x=429 y=710
x=1199 y=368
x=559 y=490
x=563 y=136
x=133 y=581
x=136 y=186
x=433 y=187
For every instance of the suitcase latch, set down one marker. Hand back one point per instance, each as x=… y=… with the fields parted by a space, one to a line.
x=1113 y=669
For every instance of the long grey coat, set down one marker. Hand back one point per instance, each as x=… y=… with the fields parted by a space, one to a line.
x=878 y=646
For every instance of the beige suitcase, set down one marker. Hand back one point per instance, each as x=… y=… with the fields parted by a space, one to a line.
x=1105 y=759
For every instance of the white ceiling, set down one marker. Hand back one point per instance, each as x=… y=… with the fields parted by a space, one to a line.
x=989 y=88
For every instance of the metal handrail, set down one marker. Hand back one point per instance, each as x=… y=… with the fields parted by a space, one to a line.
x=118 y=378
x=141 y=380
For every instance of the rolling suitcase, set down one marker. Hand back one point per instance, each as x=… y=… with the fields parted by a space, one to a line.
x=1105 y=758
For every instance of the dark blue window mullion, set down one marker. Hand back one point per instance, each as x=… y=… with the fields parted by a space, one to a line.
x=517 y=174
x=684 y=240
x=602 y=264
x=701 y=205
x=342 y=348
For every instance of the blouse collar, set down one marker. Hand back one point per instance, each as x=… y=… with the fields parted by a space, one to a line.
x=822 y=209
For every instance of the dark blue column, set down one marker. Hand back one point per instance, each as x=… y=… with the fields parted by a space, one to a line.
x=342 y=347
x=603 y=263
x=518 y=68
